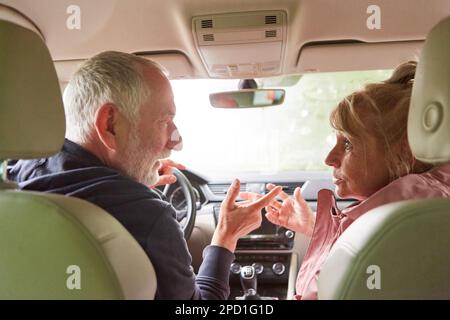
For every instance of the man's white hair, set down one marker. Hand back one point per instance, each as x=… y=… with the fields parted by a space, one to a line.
x=109 y=77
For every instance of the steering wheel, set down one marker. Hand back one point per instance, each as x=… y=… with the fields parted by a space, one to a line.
x=188 y=214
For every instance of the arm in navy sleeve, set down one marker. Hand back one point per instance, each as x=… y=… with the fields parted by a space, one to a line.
x=171 y=259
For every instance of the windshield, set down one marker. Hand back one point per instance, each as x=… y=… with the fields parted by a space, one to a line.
x=295 y=136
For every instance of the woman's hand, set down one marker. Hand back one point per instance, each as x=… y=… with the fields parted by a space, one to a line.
x=292 y=213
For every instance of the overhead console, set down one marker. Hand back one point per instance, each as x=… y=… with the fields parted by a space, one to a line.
x=237 y=45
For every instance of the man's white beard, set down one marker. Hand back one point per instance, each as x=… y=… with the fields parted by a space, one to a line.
x=138 y=161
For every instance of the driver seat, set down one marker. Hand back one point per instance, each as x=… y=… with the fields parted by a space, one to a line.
x=53 y=246
x=402 y=250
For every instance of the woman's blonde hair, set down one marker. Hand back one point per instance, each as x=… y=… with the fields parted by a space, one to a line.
x=380 y=111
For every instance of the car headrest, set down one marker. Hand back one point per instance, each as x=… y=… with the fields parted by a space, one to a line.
x=32 y=123
x=429 y=115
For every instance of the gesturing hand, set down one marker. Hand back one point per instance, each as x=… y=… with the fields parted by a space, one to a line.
x=237 y=219
x=165 y=172
x=292 y=213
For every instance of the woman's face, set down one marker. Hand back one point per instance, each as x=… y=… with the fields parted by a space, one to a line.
x=354 y=175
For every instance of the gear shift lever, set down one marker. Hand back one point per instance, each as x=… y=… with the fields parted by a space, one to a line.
x=249 y=283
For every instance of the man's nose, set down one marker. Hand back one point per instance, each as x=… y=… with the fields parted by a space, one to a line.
x=175 y=141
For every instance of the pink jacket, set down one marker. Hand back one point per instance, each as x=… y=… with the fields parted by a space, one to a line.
x=332 y=222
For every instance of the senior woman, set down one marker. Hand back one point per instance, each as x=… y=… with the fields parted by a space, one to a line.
x=372 y=163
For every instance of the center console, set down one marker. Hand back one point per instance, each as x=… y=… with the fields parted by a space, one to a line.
x=268 y=250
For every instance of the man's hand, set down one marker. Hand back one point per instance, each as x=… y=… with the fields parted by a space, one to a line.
x=165 y=172
x=237 y=219
x=293 y=213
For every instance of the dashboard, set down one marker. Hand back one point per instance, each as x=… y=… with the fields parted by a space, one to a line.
x=275 y=252
x=213 y=190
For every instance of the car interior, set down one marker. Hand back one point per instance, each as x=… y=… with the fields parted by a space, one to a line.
x=254 y=82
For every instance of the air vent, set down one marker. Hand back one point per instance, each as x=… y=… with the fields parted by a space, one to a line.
x=207 y=24
x=221 y=189
x=271 y=19
x=271 y=33
x=208 y=37
x=290 y=187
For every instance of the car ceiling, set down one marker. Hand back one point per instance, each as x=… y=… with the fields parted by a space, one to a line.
x=161 y=27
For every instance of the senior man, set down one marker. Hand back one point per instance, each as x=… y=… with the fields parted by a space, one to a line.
x=120 y=125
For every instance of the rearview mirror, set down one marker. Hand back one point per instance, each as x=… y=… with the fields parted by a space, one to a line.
x=247 y=98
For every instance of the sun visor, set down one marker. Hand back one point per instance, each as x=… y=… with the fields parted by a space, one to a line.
x=176 y=63
x=238 y=45
x=356 y=56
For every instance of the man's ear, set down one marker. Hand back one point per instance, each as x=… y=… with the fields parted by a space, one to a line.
x=106 y=119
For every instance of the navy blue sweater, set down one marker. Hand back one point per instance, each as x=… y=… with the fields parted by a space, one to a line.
x=77 y=173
